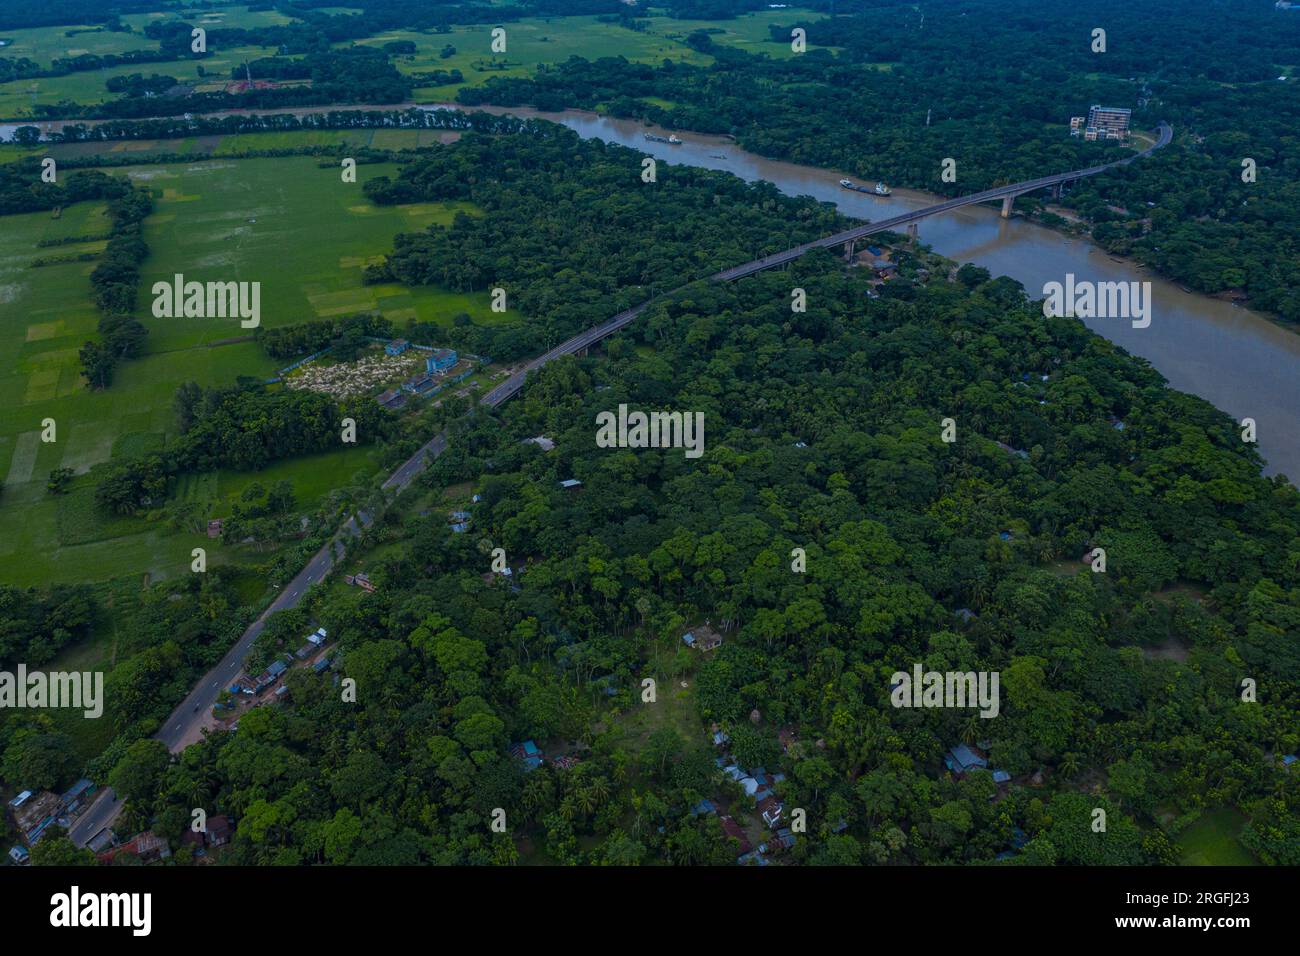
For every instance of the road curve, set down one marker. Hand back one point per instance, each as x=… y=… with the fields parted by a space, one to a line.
x=582 y=340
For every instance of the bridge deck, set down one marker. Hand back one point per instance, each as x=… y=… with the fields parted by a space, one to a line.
x=583 y=340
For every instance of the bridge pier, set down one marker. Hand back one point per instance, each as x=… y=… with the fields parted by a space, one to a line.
x=1007 y=202
x=849 y=248
x=912 y=231
x=1056 y=190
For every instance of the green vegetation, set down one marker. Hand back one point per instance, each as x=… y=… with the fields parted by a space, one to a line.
x=994 y=91
x=1214 y=840
x=824 y=434
x=312 y=230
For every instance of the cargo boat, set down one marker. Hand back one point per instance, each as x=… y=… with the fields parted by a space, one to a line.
x=880 y=189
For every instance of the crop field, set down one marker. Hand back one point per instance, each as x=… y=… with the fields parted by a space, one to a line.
x=291 y=225
x=88 y=87
x=18 y=97
x=529 y=43
x=532 y=42
x=286 y=223
x=44 y=45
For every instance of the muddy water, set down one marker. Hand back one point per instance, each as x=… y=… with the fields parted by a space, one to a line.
x=1234 y=358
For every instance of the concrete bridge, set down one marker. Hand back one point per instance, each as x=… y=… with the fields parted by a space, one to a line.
x=584 y=340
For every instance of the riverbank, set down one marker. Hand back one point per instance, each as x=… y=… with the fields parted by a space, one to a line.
x=1241 y=361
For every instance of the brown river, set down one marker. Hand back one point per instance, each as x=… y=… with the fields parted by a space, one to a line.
x=1236 y=359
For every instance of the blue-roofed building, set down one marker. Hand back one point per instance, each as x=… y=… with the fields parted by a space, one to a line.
x=397 y=347
x=440 y=360
x=703 y=807
x=961 y=759
x=1288 y=760
x=82 y=786
x=688 y=639
x=529 y=753
x=322 y=665
x=277 y=668
x=1001 y=776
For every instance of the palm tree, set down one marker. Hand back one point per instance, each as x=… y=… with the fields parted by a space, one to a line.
x=1069 y=764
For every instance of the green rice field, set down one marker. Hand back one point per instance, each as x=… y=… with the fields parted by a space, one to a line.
x=286 y=223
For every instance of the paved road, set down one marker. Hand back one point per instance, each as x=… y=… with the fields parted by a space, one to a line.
x=185 y=724
x=582 y=340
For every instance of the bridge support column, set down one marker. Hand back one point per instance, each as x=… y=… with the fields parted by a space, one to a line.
x=849 y=248
x=1056 y=190
x=912 y=231
x=1006 y=206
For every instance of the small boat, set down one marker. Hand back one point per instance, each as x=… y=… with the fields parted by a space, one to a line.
x=881 y=189
x=672 y=139
x=717 y=155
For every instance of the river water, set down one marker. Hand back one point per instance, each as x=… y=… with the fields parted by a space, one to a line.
x=1236 y=359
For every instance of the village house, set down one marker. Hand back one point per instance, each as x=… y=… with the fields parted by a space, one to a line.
x=440 y=360
x=529 y=753
x=702 y=638
x=396 y=347
x=962 y=759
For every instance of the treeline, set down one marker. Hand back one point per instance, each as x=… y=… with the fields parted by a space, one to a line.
x=567 y=272
x=236 y=427
x=115 y=282
x=36 y=623
x=21 y=188
x=180 y=127
x=358 y=74
x=305 y=338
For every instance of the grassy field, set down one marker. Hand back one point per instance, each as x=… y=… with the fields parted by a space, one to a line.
x=18 y=97
x=532 y=42
x=1213 y=840
x=310 y=240
x=44 y=45
x=292 y=226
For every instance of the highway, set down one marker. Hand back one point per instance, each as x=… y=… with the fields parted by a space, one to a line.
x=184 y=726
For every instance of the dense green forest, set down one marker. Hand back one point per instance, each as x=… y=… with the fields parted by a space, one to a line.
x=824 y=434
x=993 y=89
x=572 y=233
